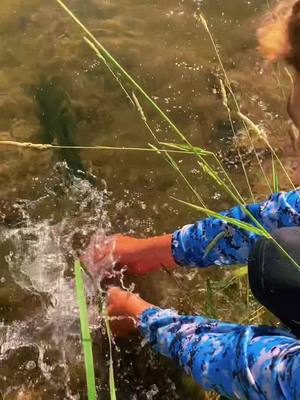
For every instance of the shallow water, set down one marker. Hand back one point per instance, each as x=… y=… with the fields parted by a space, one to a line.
x=164 y=47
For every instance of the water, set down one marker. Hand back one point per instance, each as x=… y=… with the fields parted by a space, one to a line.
x=43 y=342
x=168 y=52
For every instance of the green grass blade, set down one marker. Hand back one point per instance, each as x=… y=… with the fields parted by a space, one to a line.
x=275 y=177
x=213 y=243
x=85 y=333
x=233 y=221
x=187 y=148
x=170 y=160
x=237 y=273
x=240 y=272
x=112 y=386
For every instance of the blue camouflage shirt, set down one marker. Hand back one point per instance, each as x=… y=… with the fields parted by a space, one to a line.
x=233 y=244
x=237 y=361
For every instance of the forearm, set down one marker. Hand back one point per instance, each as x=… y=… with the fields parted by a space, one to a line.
x=144 y=255
x=237 y=361
x=158 y=250
x=209 y=241
x=215 y=241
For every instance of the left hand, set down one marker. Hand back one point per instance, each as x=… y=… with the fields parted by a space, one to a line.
x=125 y=308
x=139 y=256
x=99 y=256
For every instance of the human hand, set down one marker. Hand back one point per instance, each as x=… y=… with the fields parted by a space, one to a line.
x=98 y=257
x=139 y=256
x=124 y=308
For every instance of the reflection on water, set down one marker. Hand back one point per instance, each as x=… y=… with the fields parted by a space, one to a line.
x=168 y=51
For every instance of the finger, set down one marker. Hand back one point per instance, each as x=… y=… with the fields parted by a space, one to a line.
x=111 y=297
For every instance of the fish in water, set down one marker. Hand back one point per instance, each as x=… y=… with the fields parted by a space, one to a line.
x=58 y=120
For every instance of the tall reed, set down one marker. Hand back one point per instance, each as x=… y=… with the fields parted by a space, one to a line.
x=85 y=333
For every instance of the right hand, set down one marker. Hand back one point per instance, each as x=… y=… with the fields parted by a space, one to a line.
x=124 y=309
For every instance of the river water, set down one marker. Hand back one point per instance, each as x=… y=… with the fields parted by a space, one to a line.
x=167 y=50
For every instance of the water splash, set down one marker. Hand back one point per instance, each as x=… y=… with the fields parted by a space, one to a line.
x=45 y=348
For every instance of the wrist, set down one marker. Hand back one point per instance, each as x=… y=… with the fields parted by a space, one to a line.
x=138 y=307
x=122 y=302
x=144 y=255
x=157 y=253
x=163 y=250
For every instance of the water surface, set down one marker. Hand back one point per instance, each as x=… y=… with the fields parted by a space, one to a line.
x=167 y=50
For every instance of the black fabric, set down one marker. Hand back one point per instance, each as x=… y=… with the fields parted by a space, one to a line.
x=274 y=279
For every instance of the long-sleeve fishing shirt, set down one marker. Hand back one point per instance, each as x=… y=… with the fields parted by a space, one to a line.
x=215 y=241
x=240 y=362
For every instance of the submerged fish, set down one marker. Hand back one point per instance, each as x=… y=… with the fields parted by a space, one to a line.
x=58 y=119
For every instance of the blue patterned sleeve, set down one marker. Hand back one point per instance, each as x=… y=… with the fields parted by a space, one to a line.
x=237 y=361
x=214 y=241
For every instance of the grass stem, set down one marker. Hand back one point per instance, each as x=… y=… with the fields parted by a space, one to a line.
x=85 y=333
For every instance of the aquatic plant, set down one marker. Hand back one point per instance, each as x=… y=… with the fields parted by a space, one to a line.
x=85 y=333
x=112 y=386
x=275 y=177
